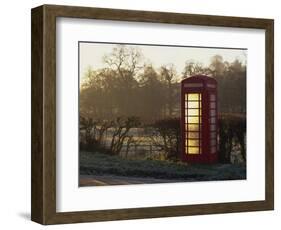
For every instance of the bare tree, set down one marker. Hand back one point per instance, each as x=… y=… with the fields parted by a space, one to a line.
x=152 y=95
x=192 y=68
x=121 y=127
x=126 y=61
x=169 y=74
x=131 y=141
x=217 y=66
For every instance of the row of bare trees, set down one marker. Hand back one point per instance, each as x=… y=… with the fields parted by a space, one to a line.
x=92 y=134
x=129 y=87
x=164 y=135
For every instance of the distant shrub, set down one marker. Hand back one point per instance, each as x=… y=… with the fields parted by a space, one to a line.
x=165 y=135
x=92 y=133
x=232 y=130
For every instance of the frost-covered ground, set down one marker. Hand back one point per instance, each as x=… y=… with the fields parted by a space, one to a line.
x=109 y=169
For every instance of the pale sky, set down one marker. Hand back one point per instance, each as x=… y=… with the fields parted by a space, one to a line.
x=91 y=54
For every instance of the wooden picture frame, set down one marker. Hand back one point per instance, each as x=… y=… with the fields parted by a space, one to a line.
x=43 y=208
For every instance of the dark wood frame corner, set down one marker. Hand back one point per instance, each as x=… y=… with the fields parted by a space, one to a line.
x=43 y=197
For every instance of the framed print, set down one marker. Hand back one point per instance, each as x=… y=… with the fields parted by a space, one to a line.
x=140 y=114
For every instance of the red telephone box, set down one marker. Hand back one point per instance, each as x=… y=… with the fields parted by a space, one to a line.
x=199 y=119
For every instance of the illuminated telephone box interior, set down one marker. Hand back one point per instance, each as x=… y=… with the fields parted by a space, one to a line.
x=199 y=119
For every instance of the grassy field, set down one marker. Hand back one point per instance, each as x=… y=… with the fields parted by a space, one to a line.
x=102 y=164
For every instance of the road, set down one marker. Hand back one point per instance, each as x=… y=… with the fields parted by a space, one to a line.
x=93 y=180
